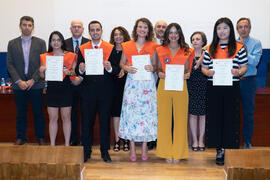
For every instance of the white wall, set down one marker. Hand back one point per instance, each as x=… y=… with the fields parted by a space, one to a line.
x=193 y=15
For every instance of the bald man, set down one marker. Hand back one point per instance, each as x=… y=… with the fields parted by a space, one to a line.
x=160 y=28
x=72 y=45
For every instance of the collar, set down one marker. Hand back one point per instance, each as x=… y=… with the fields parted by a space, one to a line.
x=159 y=41
x=238 y=39
x=98 y=45
x=28 y=39
x=74 y=39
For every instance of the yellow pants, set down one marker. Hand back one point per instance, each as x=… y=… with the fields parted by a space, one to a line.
x=168 y=101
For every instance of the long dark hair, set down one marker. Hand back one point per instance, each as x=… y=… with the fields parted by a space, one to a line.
x=215 y=42
x=63 y=47
x=123 y=31
x=181 y=40
x=149 y=36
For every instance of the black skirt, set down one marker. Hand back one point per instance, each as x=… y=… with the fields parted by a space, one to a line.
x=59 y=94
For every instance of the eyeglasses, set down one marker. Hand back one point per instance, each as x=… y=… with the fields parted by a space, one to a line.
x=56 y=40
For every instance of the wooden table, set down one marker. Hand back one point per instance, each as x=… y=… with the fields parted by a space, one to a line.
x=8 y=119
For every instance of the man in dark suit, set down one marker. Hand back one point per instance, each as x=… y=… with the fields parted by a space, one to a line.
x=72 y=45
x=96 y=93
x=23 y=63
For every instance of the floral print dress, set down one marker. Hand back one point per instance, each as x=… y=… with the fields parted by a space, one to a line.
x=138 y=119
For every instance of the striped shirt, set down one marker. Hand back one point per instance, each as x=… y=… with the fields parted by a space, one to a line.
x=239 y=60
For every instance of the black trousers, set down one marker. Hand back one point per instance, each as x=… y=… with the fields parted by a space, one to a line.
x=223 y=116
x=35 y=96
x=76 y=103
x=96 y=102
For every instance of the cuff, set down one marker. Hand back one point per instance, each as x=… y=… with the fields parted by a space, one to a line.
x=109 y=71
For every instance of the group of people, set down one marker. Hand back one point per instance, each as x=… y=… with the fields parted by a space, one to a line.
x=142 y=110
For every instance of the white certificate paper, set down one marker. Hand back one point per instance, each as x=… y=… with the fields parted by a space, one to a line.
x=54 y=68
x=139 y=62
x=174 y=79
x=223 y=75
x=94 y=61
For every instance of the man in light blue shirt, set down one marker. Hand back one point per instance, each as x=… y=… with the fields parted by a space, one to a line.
x=72 y=45
x=23 y=62
x=248 y=81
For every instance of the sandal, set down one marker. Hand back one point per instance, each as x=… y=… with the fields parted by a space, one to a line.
x=116 y=146
x=144 y=157
x=133 y=158
x=194 y=148
x=169 y=161
x=126 y=145
x=201 y=148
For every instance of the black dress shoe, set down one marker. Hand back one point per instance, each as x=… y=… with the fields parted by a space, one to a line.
x=106 y=157
x=195 y=148
x=41 y=142
x=247 y=146
x=74 y=143
x=19 y=142
x=220 y=157
x=151 y=145
x=87 y=155
x=201 y=148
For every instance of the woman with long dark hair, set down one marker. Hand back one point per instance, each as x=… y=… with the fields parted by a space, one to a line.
x=59 y=95
x=223 y=102
x=172 y=144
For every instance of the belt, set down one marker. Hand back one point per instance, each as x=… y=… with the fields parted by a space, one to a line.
x=247 y=77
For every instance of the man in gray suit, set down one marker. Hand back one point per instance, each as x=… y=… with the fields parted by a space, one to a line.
x=23 y=63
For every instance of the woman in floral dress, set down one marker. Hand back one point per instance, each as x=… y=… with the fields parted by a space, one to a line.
x=138 y=119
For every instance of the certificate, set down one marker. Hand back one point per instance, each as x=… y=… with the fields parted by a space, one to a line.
x=139 y=62
x=174 y=79
x=94 y=61
x=223 y=75
x=54 y=68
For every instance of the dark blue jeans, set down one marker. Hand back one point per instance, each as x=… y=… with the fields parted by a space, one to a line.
x=248 y=92
x=35 y=96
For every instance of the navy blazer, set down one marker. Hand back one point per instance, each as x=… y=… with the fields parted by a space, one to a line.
x=69 y=43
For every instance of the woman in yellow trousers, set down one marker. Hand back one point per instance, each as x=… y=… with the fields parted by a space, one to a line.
x=172 y=141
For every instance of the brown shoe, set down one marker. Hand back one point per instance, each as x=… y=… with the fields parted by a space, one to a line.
x=19 y=142
x=41 y=142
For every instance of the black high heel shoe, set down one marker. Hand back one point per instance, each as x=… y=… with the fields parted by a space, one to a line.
x=126 y=145
x=201 y=148
x=116 y=146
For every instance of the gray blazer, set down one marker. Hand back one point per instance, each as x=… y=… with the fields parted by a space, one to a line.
x=15 y=61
